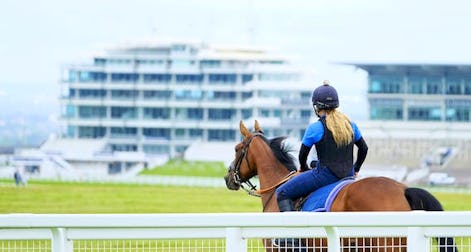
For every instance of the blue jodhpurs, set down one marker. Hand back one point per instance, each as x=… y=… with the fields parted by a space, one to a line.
x=305 y=183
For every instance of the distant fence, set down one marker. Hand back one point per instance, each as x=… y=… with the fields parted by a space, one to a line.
x=233 y=232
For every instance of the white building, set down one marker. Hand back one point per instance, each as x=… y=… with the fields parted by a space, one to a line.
x=159 y=97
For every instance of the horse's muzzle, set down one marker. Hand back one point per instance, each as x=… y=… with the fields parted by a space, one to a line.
x=231 y=184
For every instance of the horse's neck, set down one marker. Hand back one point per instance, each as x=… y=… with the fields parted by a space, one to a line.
x=270 y=172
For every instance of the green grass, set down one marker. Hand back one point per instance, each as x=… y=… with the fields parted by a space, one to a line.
x=57 y=197
x=179 y=167
x=63 y=197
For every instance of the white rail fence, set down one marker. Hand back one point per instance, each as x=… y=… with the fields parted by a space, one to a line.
x=233 y=232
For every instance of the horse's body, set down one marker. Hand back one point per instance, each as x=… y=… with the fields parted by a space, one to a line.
x=256 y=155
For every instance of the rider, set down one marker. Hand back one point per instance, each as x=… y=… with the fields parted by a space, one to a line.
x=334 y=136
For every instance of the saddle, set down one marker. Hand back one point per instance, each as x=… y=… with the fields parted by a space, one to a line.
x=321 y=200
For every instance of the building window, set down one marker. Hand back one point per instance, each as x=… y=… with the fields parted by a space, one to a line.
x=189 y=78
x=179 y=133
x=453 y=86
x=246 y=113
x=305 y=113
x=156 y=113
x=277 y=77
x=92 y=112
x=91 y=132
x=221 y=135
x=424 y=113
x=124 y=94
x=123 y=147
x=99 y=61
x=221 y=95
x=222 y=78
x=386 y=109
x=157 y=94
x=434 y=85
x=124 y=77
x=70 y=131
x=196 y=132
x=123 y=132
x=157 y=133
x=70 y=111
x=246 y=95
x=194 y=113
x=458 y=110
x=73 y=76
x=123 y=112
x=467 y=87
x=264 y=112
x=385 y=84
x=415 y=85
x=92 y=93
x=246 y=78
x=220 y=114
x=155 y=149
x=158 y=78
x=210 y=63
x=188 y=94
x=85 y=76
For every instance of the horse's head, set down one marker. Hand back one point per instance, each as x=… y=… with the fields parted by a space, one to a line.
x=243 y=168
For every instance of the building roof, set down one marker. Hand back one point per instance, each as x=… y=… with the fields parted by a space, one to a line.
x=73 y=147
x=414 y=67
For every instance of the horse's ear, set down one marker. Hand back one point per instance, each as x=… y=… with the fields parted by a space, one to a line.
x=257 y=127
x=243 y=130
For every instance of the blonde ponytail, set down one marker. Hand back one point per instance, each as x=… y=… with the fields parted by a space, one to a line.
x=339 y=124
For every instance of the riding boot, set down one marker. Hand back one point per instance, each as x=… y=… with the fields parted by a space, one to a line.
x=285 y=205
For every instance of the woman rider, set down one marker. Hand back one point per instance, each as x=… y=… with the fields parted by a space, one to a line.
x=334 y=136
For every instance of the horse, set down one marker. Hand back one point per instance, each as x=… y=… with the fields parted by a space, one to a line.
x=271 y=161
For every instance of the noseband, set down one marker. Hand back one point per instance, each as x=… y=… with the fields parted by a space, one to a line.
x=236 y=168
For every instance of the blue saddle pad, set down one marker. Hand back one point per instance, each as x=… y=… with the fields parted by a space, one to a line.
x=321 y=199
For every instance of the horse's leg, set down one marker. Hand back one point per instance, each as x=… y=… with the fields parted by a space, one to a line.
x=269 y=246
x=316 y=244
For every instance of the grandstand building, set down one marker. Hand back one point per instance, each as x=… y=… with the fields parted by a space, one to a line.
x=159 y=97
x=419 y=114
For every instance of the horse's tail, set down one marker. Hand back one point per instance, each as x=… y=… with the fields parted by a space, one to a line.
x=420 y=199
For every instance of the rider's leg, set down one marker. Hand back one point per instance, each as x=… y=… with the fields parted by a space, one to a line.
x=285 y=205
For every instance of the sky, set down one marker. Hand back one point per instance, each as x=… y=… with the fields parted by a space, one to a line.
x=38 y=37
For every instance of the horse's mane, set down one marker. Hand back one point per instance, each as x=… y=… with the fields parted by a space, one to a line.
x=282 y=152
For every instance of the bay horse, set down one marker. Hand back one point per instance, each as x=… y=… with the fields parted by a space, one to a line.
x=268 y=159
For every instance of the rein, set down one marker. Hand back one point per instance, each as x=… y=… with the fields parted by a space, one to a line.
x=288 y=177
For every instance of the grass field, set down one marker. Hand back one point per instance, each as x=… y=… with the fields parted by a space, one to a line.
x=61 y=197
x=66 y=197
x=179 y=167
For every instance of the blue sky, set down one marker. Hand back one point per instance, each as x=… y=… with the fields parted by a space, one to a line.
x=38 y=36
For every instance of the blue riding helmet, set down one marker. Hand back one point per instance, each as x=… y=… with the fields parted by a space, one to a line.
x=325 y=97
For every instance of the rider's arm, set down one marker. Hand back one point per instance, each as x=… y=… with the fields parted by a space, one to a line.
x=303 y=153
x=361 y=154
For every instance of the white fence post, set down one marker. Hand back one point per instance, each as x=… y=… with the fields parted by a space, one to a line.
x=60 y=243
x=333 y=239
x=416 y=240
x=234 y=240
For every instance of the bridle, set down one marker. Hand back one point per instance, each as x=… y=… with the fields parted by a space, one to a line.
x=236 y=168
x=236 y=171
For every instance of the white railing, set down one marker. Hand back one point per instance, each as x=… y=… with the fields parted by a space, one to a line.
x=236 y=228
